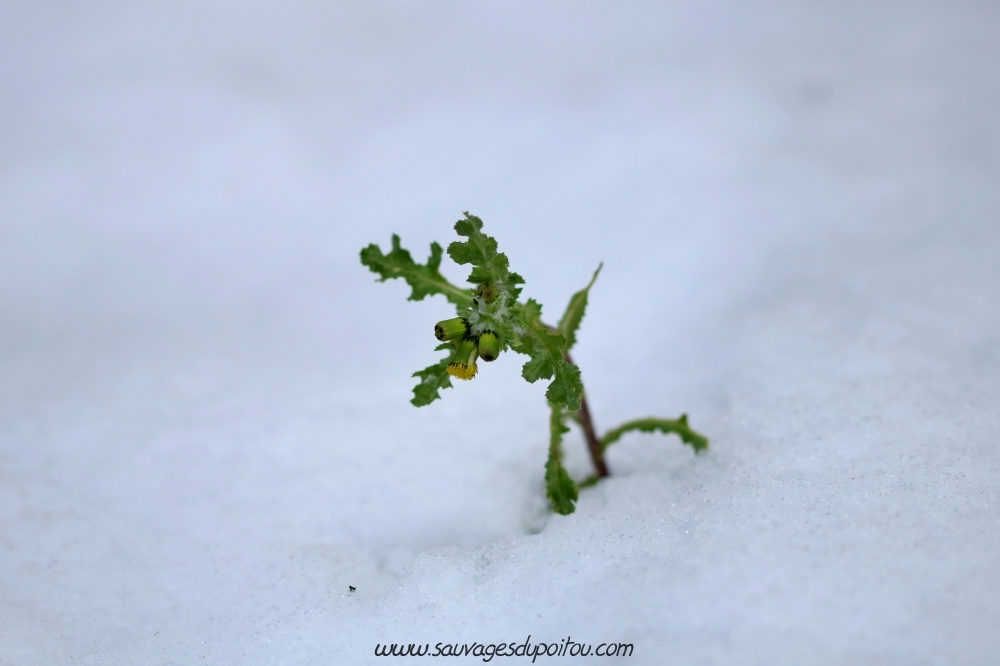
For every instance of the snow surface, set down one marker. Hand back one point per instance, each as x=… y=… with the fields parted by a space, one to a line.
x=205 y=434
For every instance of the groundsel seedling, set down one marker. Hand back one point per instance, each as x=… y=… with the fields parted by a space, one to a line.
x=491 y=320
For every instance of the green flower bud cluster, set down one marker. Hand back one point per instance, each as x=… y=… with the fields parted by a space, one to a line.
x=468 y=347
x=487 y=292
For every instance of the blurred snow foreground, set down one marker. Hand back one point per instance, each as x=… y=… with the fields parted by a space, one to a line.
x=205 y=434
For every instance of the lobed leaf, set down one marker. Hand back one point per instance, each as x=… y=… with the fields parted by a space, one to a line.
x=489 y=266
x=567 y=388
x=559 y=486
x=433 y=378
x=546 y=349
x=425 y=279
x=678 y=426
x=573 y=315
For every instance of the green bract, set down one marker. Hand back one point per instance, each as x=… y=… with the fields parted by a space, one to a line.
x=491 y=320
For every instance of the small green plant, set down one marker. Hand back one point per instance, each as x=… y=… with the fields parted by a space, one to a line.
x=491 y=320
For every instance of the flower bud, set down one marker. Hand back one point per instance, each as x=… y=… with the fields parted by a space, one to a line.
x=463 y=364
x=489 y=346
x=488 y=292
x=450 y=329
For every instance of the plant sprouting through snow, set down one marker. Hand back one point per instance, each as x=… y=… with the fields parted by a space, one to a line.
x=491 y=320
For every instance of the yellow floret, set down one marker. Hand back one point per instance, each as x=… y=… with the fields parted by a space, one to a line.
x=462 y=370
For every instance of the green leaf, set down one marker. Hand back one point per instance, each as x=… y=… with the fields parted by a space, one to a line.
x=489 y=266
x=679 y=427
x=425 y=279
x=545 y=350
x=546 y=347
x=567 y=388
x=532 y=314
x=432 y=379
x=560 y=489
x=480 y=250
x=575 y=310
x=559 y=486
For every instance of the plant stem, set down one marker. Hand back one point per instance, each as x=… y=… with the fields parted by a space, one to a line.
x=593 y=442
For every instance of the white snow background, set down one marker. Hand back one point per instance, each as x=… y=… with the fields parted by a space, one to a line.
x=205 y=433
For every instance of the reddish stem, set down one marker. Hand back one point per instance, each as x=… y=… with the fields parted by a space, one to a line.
x=593 y=443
